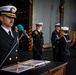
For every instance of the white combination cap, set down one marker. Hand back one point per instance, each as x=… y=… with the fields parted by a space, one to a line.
x=40 y=23
x=57 y=24
x=65 y=28
x=8 y=10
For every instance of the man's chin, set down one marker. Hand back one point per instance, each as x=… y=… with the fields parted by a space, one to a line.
x=11 y=25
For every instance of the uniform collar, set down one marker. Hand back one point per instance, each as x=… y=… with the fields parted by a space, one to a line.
x=39 y=30
x=5 y=29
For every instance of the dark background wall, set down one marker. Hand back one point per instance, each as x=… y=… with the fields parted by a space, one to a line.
x=22 y=18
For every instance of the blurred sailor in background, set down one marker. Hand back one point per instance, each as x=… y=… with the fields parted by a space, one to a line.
x=63 y=45
x=37 y=41
x=55 y=36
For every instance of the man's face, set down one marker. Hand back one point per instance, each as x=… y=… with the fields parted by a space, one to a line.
x=61 y=33
x=57 y=27
x=7 y=21
x=39 y=28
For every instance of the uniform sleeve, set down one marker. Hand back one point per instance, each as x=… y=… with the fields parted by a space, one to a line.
x=53 y=38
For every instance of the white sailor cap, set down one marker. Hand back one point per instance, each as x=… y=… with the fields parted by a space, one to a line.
x=40 y=24
x=8 y=10
x=57 y=24
x=65 y=28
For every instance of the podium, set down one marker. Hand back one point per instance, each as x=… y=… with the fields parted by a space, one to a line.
x=24 y=66
x=35 y=67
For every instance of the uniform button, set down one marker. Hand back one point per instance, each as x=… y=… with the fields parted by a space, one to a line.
x=10 y=58
x=16 y=50
x=16 y=57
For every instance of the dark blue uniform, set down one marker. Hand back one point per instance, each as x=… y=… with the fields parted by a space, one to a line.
x=37 y=44
x=55 y=36
x=63 y=49
x=6 y=43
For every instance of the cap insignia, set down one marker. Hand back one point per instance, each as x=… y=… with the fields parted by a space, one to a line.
x=13 y=10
